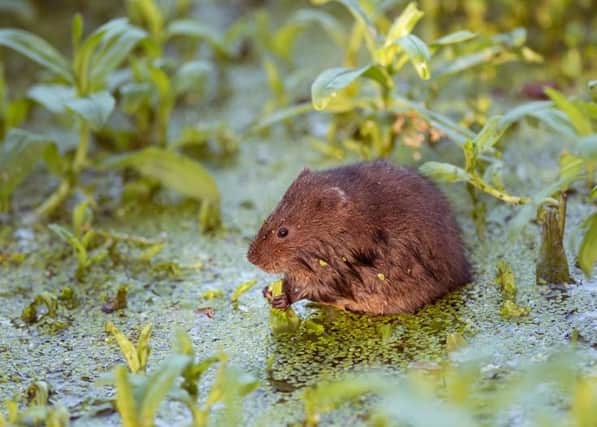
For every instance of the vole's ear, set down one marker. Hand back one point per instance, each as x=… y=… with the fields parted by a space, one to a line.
x=332 y=198
x=305 y=172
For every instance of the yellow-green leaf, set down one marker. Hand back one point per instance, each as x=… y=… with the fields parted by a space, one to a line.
x=587 y=255
x=418 y=54
x=444 y=172
x=580 y=121
x=125 y=398
x=173 y=170
x=404 y=24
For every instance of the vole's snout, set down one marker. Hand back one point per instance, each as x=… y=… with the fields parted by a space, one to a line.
x=252 y=254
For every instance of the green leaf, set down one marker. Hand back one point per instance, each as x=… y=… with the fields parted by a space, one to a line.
x=282 y=115
x=76 y=31
x=118 y=39
x=490 y=134
x=52 y=97
x=581 y=123
x=587 y=255
x=21 y=8
x=158 y=386
x=19 y=154
x=418 y=54
x=94 y=109
x=151 y=14
x=514 y=38
x=325 y=20
x=329 y=82
x=191 y=76
x=404 y=24
x=358 y=13
x=444 y=172
x=143 y=347
x=467 y=62
x=173 y=170
x=453 y=38
x=38 y=50
x=79 y=250
x=128 y=349
x=587 y=147
x=530 y=108
x=125 y=398
x=195 y=29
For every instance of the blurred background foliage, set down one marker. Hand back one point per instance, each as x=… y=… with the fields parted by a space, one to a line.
x=141 y=93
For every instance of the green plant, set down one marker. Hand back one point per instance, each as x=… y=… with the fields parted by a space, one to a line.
x=138 y=397
x=79 y=90
x=462 y=394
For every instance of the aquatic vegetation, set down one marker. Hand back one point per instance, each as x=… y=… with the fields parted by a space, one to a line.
x=462 y=393
x=131 y=126
x=138 y=397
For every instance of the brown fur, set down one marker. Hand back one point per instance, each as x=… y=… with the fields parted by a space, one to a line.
x=369 y=237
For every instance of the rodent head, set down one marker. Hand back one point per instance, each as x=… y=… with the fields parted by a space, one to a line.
x=310 y=213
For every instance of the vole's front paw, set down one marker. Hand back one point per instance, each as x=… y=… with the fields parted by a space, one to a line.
x=280 y=302
x=267 y=294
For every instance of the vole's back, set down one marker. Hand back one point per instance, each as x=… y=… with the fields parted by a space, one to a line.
x=403 y=243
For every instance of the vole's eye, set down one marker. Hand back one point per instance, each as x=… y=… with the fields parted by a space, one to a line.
x=282 y=232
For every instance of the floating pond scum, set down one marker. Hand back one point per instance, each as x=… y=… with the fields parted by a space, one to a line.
x=143 y=143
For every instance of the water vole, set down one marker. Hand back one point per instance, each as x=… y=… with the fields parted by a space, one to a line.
x=368 y=237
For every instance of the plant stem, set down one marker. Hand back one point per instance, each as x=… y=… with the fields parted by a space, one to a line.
x=552 y=265
x=504 y=197
x=81 y=154
x=54 y=200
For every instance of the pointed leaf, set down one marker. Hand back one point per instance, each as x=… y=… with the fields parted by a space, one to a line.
x=453 y=38
x=404 y=24
x=38 y=50
x=418 y=54
x=329 y=23
x=581 y=122
x=587 y=255
x=128 y=349
x=587 y=147
x=358 y=13
x=466 y=62
x=178 y=172
x=119 y=39
x=196 y=29
x=19 y=154
x=52 y=97
x=490 y=134
x=329 y=82
x=125 y=398
x=191 y=76
x=444 y=172
x=158 y=386
x=523 y=110
x=95 y=108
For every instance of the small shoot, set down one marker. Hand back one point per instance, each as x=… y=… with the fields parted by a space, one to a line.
x=136 y=356
x=506 y=281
